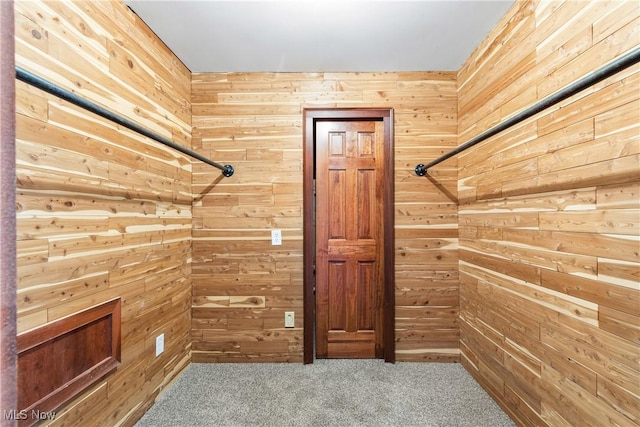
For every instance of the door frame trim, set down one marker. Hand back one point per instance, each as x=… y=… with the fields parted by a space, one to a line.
x=310 y=117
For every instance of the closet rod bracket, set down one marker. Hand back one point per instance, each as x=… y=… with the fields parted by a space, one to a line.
x=227 y=170
x=421 y=170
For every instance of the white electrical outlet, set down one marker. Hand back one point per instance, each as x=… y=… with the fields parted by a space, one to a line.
x=289 y=319
x=159 y=344
x=276 y=237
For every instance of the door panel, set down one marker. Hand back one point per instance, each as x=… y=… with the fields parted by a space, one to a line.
x=349 y=239
x=366 y=204
x=366 y=296
x=338 y=213
x=337 y=295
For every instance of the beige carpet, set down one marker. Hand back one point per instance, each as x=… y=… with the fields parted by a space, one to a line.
x=326 y=393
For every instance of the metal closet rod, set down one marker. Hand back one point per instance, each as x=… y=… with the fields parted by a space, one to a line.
x=47 y=86
x=600 y=74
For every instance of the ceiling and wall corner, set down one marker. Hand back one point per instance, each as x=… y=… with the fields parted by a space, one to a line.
x=321 y=36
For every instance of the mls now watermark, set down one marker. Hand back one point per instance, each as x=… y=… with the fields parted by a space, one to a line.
x=33 y=414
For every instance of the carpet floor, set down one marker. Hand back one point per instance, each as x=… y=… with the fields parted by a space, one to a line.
x=326 y=393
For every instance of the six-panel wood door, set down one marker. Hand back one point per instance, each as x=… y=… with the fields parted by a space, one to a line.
x=349 y=239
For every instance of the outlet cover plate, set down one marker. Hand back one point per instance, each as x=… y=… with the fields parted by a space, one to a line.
x=159 y=344
x=289 y=319
x=276 y=237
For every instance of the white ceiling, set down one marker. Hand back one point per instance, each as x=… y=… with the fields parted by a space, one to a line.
x=321 y=35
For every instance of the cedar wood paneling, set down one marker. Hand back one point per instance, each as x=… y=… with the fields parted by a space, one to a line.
x=241 y=284
x=549 y=217
x=102 y=212
x=547 y=212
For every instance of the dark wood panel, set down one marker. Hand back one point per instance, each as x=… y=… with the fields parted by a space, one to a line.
x=350 y=244
x=59 y=361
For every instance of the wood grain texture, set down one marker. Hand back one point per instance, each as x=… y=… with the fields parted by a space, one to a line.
x=256 y=119
x=8 y=247
x=102 y=212
x=350 y=261
x=548 y=215
x=532 y=281
x=61 y=359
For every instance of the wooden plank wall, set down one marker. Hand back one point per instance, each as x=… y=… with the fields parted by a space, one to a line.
x=241 y=284
x=549 y=217
x=103 y=213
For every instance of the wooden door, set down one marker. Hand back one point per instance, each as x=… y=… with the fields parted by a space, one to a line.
x=349 y=239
